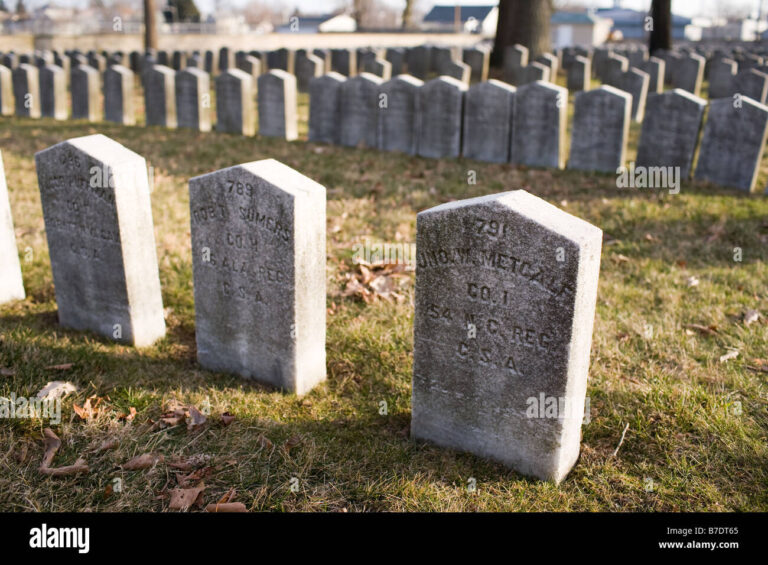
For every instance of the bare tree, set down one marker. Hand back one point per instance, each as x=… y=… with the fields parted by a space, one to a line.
x=525 y=22
x=150 y=25
x=661 y=22
x=407 y=14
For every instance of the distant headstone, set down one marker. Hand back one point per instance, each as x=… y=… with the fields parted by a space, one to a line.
x=488 y=124
x=178 y=60
x=282 y=59
x=379 y=67
x=308 y=66
x=418 y=61
x=26 y=90
x=344 y=62
x=7 y=106
x=506 y=287
x=84 y=84
x=600 y=130
x=440 y=104
x=532 y=73
x=396 y=58
x=614 y=68
x=655 y=69
x=11 y=285
x=210 y=65
x=550 y=61
x=118 y=95
x=752 y=84
x=579 y=74
x=458 y=70
x=225 y=59
x=398 y=115
x=670 y=130
x=98 y=219
x=635 y=82
x=538 y=138
x=733 y=143
x=250 y=65
x=193 y=99
x=160 y=96
x=478 y=60
x=721 y=74
x=258 y=247
x=53 y=92
x=278 y=105
x=359 y=110
x=689 y=73
x=235 y=111
x=325 y=108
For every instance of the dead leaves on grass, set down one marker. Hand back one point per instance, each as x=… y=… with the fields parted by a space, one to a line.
x=52 y=445
x=144 y=461
x=371 y=282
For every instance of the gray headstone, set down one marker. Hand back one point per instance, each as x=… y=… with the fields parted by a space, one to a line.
x=689 y=73
x=506 y=287
x=579 y=74
x=250 y=65
x=11 y=285
x=53 y=92
x=7 y=107
x=478 y=60
x=193 y=99
x=308 y=66
x=458 y=70
x=440 y=103
x=635 y=82
x=235 y=111
x=538 y=138
x=344 y=61
x=277 y=105
x=550 y=61
x=160 y=96
x=84 y=84
x=614 y=68
x=379 y=67
x=359 y=110
x=655 y=69
x=670 y=130
x=752 y=84
x=98 y=219
x=26 y=90
x=396 y=58
x=721 y=74
x=733 y=143
x=210 y=61
x=258 y=247
x=281 y=59
x=226 y=59
x=398 y=117
x=417 y=59
x=488 y=113
x=118 y=95
x=532 y=73
x=325 y=108
x=600 y=130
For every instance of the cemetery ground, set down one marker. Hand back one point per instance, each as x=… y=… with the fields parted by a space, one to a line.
x=674 y=300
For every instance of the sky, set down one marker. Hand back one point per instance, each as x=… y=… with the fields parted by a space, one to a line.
x=690 y=8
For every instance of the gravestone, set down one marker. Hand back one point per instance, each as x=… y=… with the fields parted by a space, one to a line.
x=478 y=60
x=379 y=67
x=396 y=58
x=26 y=90
x=210 y=65
x=752 y=84
x=118 y=95
x=532 y=73
x=359 y=107
x=250 y=65
x=635 y=82
x=579 y=74
x=53 y=92
x=670 y=130
x=488 y=124
x=258 y=248
x=689 y=73
x=721 y=74
x=441 y=57
x=193 y=99
x=179 y=60
x=440 y=103
x=7 y=106
x=225 y=59
x=160 y=96
x=344 y=61
x=600 y=130
x=398 y=116
x=538 y=138
x=308 y=66
x=732 y=143
x=614 y=68
x=84 y=84
x=655 y=69
x=235 y=111
x=277 y=105
x=325 y=57
x=458 y=70
x=325 y=108
x=281 y=59
x=417 y=59
x=11 y=285
x=98 y=220
x=506 y=287
x=550 y=61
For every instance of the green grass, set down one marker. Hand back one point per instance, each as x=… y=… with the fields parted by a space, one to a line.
x=685 y=435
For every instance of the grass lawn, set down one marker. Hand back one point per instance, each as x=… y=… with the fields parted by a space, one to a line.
x=697 y=426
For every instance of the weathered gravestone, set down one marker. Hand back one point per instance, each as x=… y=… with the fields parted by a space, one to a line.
x=193 y=99
x=538 y=135
x=7 y=106
x=488 y=124
x=160 y=96
x=551 y=62
x=478 y=60
x=635 y=82
x=396 y=58
x=398 y=114
x=325 y=108
x=258 y=247
x=440 y=103
x=118 y=95
x=506 y=287
x=359 y=110
x=11 y=285
x=308 y=66
x=579 y=74
x=721 y=74
x=515 y=60
x=655 y=69
x=670 y=130
x=84 y=84
x=225 y=59
x=281 y=59
x=750 y=83
x=344 y=61
x=689 y=73
x=613 y=69
x=533 y=72
x=26 y=90
x=418 y=61
x=458 y=70
x=379 y=67
x=53 y=92
x=250 y=65
x=733 y=143
x=235 y=111
x=277 y=105
x=98 y=219
x=600 y=130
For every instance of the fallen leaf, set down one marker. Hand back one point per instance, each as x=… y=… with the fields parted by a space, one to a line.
x=707 y=330
x=7 y=372
x=226 y=507
x=292 y=442
x=227 y=418
x=62 y=367
x=144 y=461
x=189 y=463
x=751 y=316
x=195 y=419
x=56 y=389
x=52 y=445
x=89 y=410
x=106 y=445
x=264 y=442
x=183 y=498
x=732 y=354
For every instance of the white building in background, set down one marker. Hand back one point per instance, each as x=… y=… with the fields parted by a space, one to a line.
x=582 y=29
x=734 y=30
x=474 y=19
x=329 y=23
